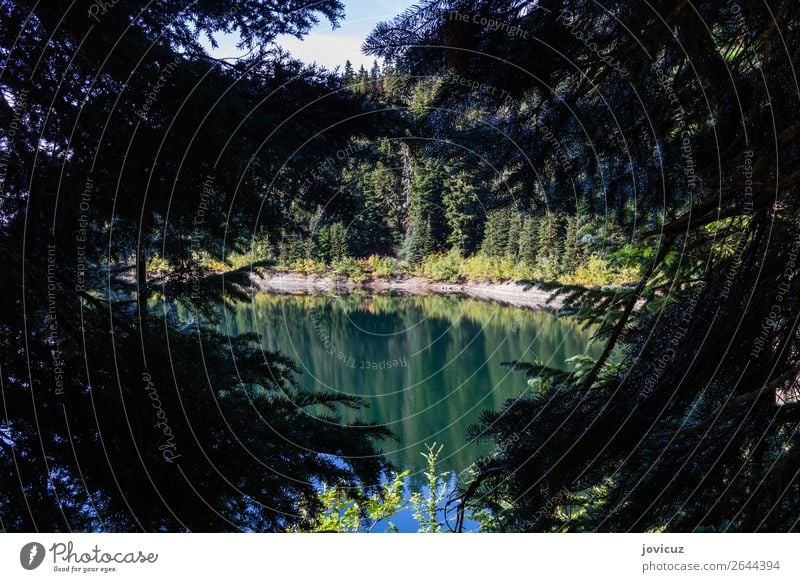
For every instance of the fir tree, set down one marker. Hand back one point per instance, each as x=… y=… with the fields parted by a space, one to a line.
x=338 y=242
x=461 y=205
x=495 y=235
x=514 y=231
x=349 y=75
x=550 y=242
x=572 y=254
x=426 y=235
x=529 y=241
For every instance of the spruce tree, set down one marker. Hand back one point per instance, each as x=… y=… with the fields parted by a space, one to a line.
x=461 y=205
x=572 y=255
x=348 y=75
x=529 y=241
x=338 y=242
x=550 y=242
x=515 y=222
x=427 y=221
x=495 y=237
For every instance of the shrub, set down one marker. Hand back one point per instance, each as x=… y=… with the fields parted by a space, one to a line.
x=482 y=267
x=308 y=266
x=441 y=267
x=384 y=267
x=597 y=272
x=349 y=268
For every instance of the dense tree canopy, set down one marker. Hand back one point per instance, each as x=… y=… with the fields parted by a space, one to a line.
x=123 y=142
x=655 y=143
x=678 y=122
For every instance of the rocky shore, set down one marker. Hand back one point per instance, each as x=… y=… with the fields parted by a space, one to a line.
x=522 y=295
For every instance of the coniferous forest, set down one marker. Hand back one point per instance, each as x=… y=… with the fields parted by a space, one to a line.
x=637 y=164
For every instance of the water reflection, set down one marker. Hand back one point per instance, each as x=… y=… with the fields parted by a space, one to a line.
x=426 y=365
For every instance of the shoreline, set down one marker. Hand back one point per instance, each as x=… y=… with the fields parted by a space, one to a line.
x=510 y=293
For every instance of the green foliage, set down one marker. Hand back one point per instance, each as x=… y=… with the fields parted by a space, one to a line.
x=343 y=510
x=426 y=506
x=515 y=224
x=495 y=237
x=348 y=509
x=597 y=272
x=443 y=267
x=573 y=252
x=461 y=210
x=528 y=242
x=384 y=267
x=425 y=211
x=420 y=242
x=550 y=244
x=350 y=269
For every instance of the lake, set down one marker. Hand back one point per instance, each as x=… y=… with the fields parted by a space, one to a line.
x=425 y=365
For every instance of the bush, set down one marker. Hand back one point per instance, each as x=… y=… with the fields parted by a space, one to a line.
x=384 y=267
x=597 y=272
x=482 y=267
x=308 y=266
x=441 y=267
x=350 y=269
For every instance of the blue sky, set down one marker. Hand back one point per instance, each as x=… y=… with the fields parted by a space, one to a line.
x=328 y=47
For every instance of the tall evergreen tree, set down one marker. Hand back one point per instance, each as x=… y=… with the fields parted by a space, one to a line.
x=461 y=211
x=529 y=241
x=515 y=222
x=426 y=234
x=572 y=254
x=495 y=234
x=348 y=75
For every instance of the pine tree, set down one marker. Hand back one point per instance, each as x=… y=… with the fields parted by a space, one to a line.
x=375 y=80
x=349 y=75
x=426 y=234
x=572 y=254
x=460 y=204
x=338 y=242
x=362 y=81
x=529 y=241
x=495 y=237
x=514 y=231
x=550 y=238
x=321 y=237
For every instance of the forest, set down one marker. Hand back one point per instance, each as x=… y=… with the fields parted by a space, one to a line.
x=638 y=160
